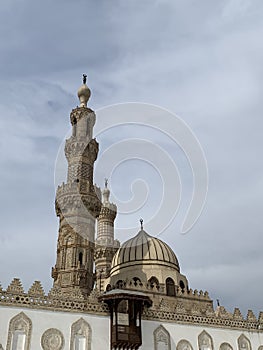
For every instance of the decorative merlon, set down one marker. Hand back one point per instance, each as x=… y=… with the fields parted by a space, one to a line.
x=15 y=287
x=36 y=290
x=172 y=310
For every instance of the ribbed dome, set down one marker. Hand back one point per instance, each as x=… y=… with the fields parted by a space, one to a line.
x=144 y=249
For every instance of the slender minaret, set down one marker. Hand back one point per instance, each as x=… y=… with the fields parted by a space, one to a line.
x=78 y=204
x=106 y=246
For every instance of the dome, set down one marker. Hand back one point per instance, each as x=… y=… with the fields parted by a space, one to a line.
x=144 y=249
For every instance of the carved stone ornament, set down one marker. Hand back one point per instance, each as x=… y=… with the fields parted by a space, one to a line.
x=19 y=326
x=161 y=339
x=80 y=330
x=205 y=341
x=52 y=339
x=243 y=343
x=184 y=345
x=225 y=346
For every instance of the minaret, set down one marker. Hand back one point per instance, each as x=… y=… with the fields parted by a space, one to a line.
x=78 y=204
x=106 y=246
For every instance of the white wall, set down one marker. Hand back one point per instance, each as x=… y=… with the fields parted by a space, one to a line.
x=43 y=320
x=190 y=333
x=100 y=325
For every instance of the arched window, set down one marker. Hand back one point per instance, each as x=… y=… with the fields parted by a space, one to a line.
x=19 y=333
x=243 y=343
x=205 y=341
x=136 y=281
x=74 y=127
x=153 y=282
x=120 y=284
x=162 y=339
x=80 y=338
x=81 y=258
x=182 y=285
x=170 y=287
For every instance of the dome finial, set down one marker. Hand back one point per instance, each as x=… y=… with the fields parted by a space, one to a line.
x=84 y=92
x=141 y=221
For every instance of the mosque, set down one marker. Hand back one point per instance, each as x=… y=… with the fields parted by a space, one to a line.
x=111 y=296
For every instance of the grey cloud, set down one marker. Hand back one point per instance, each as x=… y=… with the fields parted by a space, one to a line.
x=202 y=61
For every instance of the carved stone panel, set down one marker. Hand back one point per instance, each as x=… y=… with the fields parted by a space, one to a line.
x=205 y=341
x=52 y=339
x=19 y=332
x=225 y=346
x=184 y=345
x=80 y=337
x=162 y=339
x=243 y=343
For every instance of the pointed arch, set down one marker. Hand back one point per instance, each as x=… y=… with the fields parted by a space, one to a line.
x=243 y=343
x=154 y=282
x=161 y=338
x=184 y=345
x=80 y=338
x=205 y=341
x=225 y=346
x=19 y=332
x=170 y=287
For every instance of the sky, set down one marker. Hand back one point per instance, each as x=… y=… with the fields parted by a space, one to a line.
x=200 y=61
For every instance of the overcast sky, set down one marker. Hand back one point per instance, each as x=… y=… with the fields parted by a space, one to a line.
x=201 y=60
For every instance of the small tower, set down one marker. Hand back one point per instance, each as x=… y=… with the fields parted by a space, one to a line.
x=78 y=204
x=106 y=246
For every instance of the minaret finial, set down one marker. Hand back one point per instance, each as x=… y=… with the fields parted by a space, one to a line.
x=84 y=92
x=106 y=192
x=141 y=221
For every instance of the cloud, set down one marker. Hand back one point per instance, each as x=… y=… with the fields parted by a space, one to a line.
x=200 y=61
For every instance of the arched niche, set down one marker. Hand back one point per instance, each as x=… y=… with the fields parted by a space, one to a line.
x=184 y=345
x=205 y=341
x=80 y=338
x=162 y=339
x=243 y=343
x=19 y=332
x=170 y=287
x=225 y=346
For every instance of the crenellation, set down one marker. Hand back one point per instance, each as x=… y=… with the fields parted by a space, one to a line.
x=237 y=314
x=15 y=287
x=162 y=311
x=36 y=290
x=251 y=317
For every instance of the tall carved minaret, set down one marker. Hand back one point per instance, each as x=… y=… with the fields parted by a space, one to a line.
x=106 y=246
x=78 y=204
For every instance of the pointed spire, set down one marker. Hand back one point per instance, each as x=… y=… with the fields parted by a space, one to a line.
x=84 y=92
